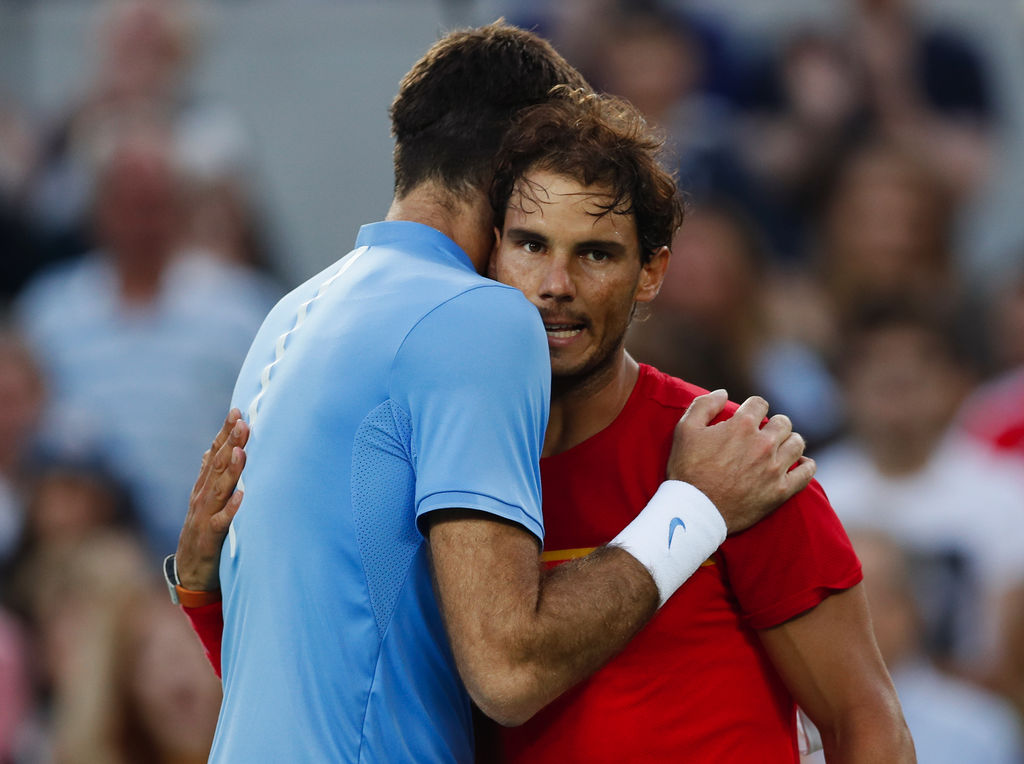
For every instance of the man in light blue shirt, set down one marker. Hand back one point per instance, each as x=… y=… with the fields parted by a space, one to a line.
x=396 y=404
x=432 y=401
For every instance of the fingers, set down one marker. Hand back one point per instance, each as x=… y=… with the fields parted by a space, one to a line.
x=798 y=478
x=223 y=481
x=225 y=431
x=780 y=426
x=755 y=407
x=705 y=408
x=219 y=522
x=791 y=449
x=237 y=437
x=219 y=473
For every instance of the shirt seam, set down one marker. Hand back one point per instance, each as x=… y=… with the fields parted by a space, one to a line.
x=421 y=319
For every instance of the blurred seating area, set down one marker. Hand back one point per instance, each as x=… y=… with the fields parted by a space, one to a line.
x=830 y=168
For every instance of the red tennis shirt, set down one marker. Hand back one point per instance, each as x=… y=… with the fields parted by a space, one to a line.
x=695 y=684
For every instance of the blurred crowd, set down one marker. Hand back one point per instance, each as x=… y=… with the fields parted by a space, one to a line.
x=825 y=173
x=133 y=276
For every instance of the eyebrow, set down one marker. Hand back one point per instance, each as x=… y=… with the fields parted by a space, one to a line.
x=525 y=233
x=609 y=245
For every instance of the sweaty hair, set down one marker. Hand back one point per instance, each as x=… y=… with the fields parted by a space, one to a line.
x=595 y=140
x=456 y=103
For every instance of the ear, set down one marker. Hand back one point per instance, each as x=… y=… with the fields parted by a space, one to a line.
x=652 y=274
x=491 y=268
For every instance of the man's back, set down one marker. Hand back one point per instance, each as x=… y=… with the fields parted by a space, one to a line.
x=392 y=384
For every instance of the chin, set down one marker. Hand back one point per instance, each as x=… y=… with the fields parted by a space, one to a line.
x=567 y=370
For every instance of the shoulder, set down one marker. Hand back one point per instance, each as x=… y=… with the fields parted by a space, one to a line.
x=667 y=391
x=483 y=308
x=67 y=289
x=674 y=393
x=230 y=287
x=83 y=272
x=485 y=335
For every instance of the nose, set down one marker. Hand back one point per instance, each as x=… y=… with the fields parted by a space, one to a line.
x=558 y=283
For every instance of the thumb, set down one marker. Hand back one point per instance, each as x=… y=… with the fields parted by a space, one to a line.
x=705 y=408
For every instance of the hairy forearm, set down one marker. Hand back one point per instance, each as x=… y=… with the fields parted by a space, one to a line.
x=586 y=611
x=522 y=635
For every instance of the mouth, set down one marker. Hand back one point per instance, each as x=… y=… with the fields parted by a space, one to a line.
x=563 y=330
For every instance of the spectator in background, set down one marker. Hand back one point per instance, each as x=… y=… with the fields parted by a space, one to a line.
x=141 y=690
x=952 y=721
x=883 y=236
x=15 y=686
x=657 y=60
x=906 y=471
x=995 y=412
x=795 y=140
x=224 y=221
x=885 y=233
x=714 y=323
x=70 y=583
x=68 y=497
x=142 y=343
x=21 y=405
x=927 y=90
x=145 y=50
x=881 y=76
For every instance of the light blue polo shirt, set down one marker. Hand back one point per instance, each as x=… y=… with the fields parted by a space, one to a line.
x=395 y=383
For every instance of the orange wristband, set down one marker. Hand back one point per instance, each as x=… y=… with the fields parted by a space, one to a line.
x=192 y=598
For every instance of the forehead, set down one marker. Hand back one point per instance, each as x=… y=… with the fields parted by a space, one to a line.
x=561 y=205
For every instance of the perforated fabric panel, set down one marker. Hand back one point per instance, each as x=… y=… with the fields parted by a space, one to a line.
x=383 y=496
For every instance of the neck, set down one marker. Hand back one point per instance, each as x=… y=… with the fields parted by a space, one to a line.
x=905 y=457
x=583 y=406
x=466 y=221
x=139 y=279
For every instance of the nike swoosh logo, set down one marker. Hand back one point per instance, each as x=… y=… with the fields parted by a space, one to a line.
x=676 y=523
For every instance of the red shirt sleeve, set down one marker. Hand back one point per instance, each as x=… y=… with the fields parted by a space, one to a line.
x=790 y=561
x=208 y=623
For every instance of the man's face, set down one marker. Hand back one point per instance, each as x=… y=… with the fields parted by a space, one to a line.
x=139 y=205
x=580 y=268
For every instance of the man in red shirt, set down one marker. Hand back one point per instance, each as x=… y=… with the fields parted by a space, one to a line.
x=777 y=617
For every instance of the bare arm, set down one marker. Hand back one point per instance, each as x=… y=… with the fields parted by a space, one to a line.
x=830 y=663
x=522 y=636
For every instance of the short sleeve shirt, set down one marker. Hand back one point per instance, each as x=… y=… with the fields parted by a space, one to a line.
x=396 y=383
x=695 y=684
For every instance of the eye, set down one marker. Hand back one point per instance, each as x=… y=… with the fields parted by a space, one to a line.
x=532 y=246
x=597 y=255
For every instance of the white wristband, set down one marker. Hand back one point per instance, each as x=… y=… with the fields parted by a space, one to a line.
x=677 y=531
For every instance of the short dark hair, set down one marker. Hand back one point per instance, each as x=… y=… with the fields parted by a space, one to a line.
x=456 y=103
x=594 y=139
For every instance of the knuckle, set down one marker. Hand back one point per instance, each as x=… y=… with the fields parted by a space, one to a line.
x=746 y=418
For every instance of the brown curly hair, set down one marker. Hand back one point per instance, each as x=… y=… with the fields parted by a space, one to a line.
x=595 y=140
